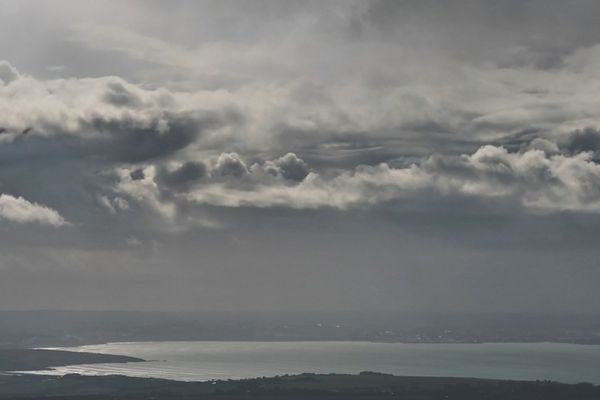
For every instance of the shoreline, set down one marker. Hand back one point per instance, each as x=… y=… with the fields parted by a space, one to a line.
x=23 y=360
x=365 y=385
x=245 y=360
x=63 y=348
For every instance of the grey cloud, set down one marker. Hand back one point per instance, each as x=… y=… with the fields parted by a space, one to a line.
x=20 y=210
x=544 y=145
x=7 y=72
x=513 y=33
x=114 y=204
x=387 y=109
x=535 y=180
x=108 y=117
x=137 y=174
x=119 y=96
x=532 y=179
x=519 y=140
x=544 y=58
x=182 y=177
x=289 y=166
x=164 y=187
x=587 y=139
x=125 y=140
x=229 y=164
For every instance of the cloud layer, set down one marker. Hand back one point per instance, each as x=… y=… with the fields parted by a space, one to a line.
x=273 y=152
x=169 y=146
x=532 y=179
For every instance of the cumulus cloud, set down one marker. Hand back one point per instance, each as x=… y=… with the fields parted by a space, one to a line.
x=290 y=166
x=362 y=116
x=143 y=189
x=19 y=210
x=107 y=116
x=114 y=204
x=349 y=90
x=118 y=95
x=582 y=140
x=165 y=188
x=182 y=176
x=544 y=145
x=534 y=179
x=168 y=135
x=230 y=164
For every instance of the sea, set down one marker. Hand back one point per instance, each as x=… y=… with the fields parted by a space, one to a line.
x=204 y=361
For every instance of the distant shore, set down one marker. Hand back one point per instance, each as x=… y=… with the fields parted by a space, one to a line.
x=42 y=329
x=203 y=361
x=40 y=359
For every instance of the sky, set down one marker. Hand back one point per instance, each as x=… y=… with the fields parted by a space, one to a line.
x=375 y=155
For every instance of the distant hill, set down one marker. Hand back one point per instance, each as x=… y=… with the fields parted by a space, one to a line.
x=66 y=328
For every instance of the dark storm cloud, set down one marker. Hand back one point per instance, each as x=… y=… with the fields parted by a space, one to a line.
x=107 y=118
x=583 y=140
x=182 y=177
x=230 y=164
x=124 y=140
x=137 y=174
x=519 y=140
x=289 y=166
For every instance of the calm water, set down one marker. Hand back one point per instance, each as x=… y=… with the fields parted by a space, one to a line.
x=197 y=361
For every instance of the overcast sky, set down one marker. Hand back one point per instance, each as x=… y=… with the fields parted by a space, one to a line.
x=300 y=155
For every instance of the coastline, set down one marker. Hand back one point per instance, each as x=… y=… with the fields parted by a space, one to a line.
x=23 y=360
x=366 y=385
x=206 y=360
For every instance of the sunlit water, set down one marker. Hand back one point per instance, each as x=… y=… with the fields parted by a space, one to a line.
x=199 y=361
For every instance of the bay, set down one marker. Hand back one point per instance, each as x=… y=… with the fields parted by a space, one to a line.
x=201 y=361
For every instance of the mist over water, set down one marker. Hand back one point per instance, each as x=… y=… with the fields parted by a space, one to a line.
x=200 y=361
